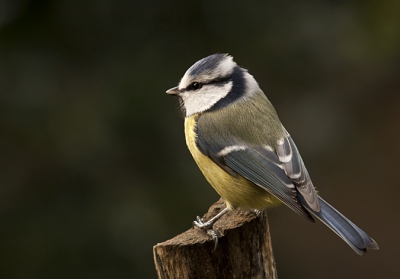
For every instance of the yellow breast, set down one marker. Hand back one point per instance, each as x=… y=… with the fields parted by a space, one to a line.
x=237 y=192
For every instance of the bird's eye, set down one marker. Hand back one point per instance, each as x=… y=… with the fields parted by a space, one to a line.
x=195 y=86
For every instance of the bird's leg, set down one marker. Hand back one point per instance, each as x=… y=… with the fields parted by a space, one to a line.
x=208 y=225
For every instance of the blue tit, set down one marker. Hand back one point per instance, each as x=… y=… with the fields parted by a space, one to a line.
x=237 y=140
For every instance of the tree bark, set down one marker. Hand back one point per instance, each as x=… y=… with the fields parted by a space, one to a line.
x=244 y=249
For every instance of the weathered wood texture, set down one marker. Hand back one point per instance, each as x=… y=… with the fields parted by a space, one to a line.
x=244 y=250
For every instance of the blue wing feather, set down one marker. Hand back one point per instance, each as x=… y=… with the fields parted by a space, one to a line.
x=266 y=174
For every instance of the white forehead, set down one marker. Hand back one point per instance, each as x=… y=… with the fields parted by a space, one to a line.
x=208 y=69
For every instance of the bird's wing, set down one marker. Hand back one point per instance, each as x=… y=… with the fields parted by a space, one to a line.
x=259 y=164
x=295 y=169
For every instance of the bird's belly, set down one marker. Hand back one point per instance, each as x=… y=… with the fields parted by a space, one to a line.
x=237 y=191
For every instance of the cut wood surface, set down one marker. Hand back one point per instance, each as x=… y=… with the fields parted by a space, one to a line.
x=244 y=249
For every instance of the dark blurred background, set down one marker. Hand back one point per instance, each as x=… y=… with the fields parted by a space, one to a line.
x=94 y=170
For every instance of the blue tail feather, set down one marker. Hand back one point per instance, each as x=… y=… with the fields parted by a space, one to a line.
x=356 y=238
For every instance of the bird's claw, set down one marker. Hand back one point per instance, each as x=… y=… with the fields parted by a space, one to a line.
x=201 y=224
x=207 y=226
x=214 y=236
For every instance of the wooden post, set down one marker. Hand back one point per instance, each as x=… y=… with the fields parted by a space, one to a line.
x=244 y=250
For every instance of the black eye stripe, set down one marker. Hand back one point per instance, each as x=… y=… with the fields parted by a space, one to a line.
x=217 y=82
x=220 y=80
x=194 y=86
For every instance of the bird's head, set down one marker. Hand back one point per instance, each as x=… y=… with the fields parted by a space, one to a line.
x=212 y=82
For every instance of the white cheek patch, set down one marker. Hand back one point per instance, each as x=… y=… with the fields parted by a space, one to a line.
x=205 y=98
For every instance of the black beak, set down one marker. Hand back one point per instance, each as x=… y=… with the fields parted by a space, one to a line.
x=173 y=91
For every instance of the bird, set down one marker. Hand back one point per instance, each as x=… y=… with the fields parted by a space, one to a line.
x=240 y=145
